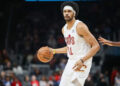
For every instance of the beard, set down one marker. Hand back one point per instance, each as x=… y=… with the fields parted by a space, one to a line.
x=67 y=18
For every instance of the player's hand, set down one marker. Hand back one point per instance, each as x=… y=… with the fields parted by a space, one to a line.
x=78 y=65
x=104 y=41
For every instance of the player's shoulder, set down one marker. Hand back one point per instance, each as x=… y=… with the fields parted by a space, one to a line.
x=81 y=28
x=63 y=29
x=81 y=24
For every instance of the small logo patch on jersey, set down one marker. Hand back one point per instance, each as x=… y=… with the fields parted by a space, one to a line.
x=73 y=31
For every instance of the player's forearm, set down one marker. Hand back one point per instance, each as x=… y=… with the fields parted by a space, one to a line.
x=91 y=53
x=115 y=43
x=60 y=50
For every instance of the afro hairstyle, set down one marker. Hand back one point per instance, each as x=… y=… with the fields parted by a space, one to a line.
x=72 y=4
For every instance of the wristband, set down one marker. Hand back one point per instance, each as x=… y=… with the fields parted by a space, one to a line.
x=54 y=51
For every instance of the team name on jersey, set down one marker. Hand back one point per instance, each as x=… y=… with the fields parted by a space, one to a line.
x=70 y=40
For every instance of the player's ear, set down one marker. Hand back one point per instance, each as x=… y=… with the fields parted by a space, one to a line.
x=74 y=14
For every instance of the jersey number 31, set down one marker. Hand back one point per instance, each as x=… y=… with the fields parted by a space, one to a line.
x=70 y=50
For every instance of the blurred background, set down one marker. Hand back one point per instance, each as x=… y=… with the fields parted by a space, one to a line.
x=25 y=26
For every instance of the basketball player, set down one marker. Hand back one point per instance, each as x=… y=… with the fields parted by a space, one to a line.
x=109 y=43
x=81 y=47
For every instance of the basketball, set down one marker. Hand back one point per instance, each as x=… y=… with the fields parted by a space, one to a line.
x=45 y=54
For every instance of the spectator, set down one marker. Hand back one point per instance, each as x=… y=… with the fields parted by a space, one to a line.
x=89 y=81
x=29 y=59
x=7 y=82
x=12 y=75
x=50 y=82
x=57 y=76
x=35 y=60
x=113 y=74
x=55 y=83
x=37 y=73
x=26 y=81
x=34 y=82
x=17 y=69
x=16 y=82
x=5 y=55
x=8 y=66
x=2 y=76
x=101 y=81
x=117 y=79
x=62 y=63
x=43 y=81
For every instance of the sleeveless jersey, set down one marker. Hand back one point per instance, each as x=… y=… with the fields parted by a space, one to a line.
x=77 y=47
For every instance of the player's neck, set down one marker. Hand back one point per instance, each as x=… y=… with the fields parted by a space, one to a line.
x=70 y=23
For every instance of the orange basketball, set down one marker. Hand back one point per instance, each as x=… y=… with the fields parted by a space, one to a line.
x=45 y=54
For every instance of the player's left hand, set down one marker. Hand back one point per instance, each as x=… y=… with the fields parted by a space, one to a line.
x=78 y=65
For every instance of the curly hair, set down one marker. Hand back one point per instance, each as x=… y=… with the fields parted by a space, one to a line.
x=72 y=4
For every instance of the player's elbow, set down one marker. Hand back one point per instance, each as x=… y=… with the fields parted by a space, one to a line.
x=97 y=46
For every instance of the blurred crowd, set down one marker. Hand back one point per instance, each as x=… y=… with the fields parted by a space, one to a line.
x=17 y=76
x=10 y=79
x=33 y=27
